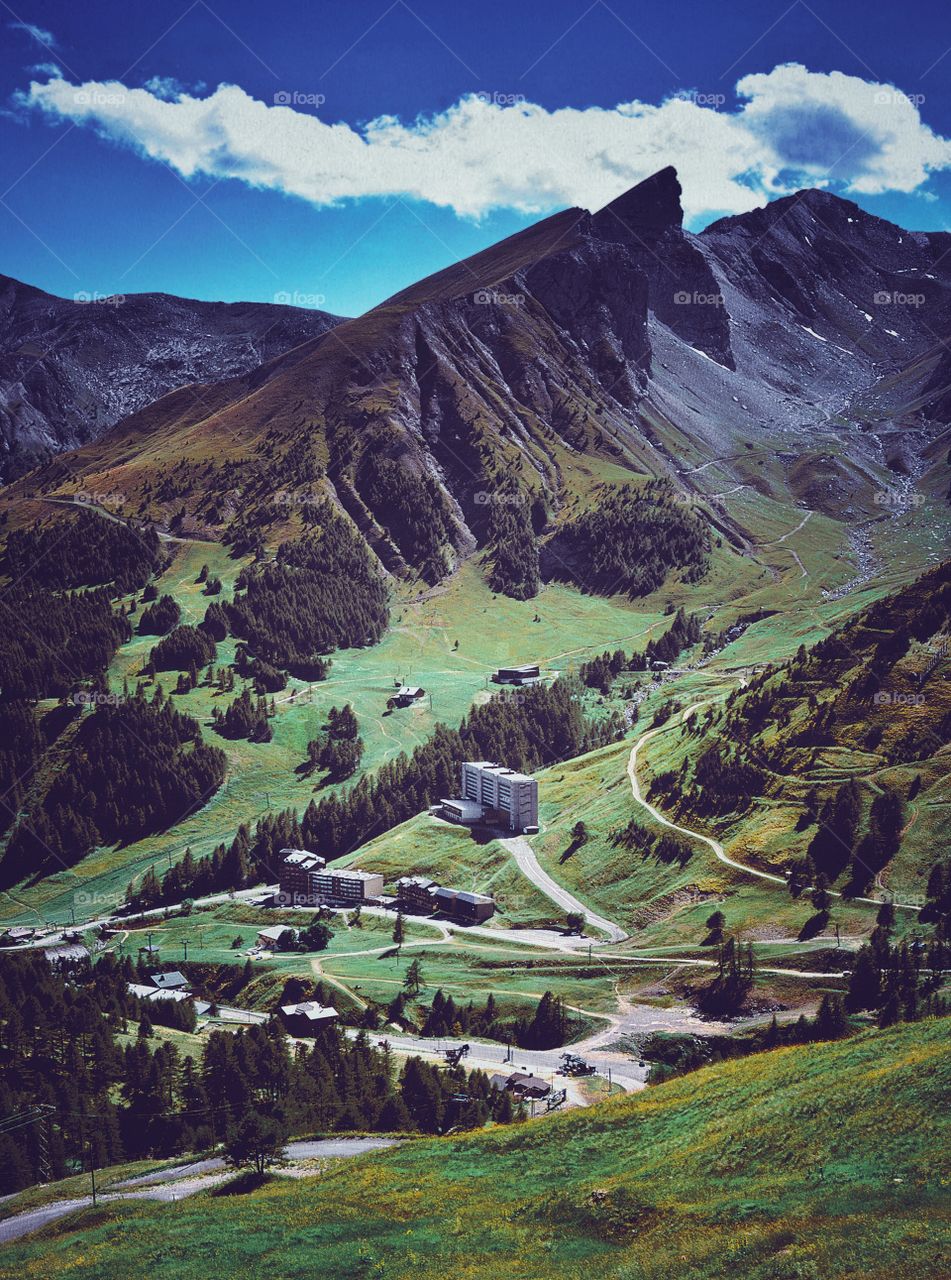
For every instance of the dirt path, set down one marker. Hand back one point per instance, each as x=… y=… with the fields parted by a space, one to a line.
x=709 y=841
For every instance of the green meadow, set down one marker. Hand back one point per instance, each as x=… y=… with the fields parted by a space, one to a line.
x=823 y=1162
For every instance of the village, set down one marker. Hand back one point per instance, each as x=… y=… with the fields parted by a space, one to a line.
x=493 y=800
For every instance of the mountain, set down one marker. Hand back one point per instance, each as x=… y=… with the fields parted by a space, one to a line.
x=71 y=369
x=789 y=347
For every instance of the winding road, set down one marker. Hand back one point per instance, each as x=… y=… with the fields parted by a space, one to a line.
x=709 y=841
x=180 y=1181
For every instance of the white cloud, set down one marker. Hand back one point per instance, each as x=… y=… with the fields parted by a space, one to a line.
x=39 y=34
x=792 y=127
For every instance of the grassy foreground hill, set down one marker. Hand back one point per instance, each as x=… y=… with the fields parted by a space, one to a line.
x=812 y=1163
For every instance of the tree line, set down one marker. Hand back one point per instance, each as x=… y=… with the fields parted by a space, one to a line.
x=134 y=766
x=60 y=1048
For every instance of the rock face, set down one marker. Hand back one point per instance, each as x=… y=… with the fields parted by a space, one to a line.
x=792 y=348
x=70 y=370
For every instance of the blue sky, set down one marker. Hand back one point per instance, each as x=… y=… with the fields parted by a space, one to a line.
x=301 y=149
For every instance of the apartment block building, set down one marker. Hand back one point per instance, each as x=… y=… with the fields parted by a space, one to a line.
x=500 y=791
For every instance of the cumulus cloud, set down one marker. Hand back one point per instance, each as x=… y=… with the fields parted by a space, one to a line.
x=790 y=127
x=39 y=34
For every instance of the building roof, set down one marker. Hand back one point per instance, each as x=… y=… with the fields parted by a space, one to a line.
x=489 y=766
x=168 y=981
x=273 y=932
x=144 y=992
x=303 y=858
x=520 y=1082
x=417 y=882
x=309 y=1009
x=409 y=691
x=351 y=873
x=463 y=895
x=72 y=951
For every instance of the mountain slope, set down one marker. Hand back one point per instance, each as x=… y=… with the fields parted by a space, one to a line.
x=823 y=1161
x=586 y=348
x=72 y=369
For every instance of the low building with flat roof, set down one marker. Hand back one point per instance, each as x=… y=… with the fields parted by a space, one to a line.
x=466 y=907
x=528 y=673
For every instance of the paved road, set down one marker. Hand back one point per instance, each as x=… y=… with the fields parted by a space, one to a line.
x=493 y=1057
x=528 y=864
x=179 y=1181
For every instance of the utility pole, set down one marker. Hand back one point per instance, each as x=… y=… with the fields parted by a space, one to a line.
x=185 y=945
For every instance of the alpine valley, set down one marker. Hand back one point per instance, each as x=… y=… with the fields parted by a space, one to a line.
x=658 y=520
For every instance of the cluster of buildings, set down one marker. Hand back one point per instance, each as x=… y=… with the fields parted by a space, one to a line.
x=172 y=986
x=490 y=793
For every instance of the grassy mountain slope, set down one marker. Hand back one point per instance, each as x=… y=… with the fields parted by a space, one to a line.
x=824 y=1162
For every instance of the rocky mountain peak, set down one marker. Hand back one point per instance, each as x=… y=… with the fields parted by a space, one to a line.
x=647 y=210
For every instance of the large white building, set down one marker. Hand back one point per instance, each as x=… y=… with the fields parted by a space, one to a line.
x=502 y=791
